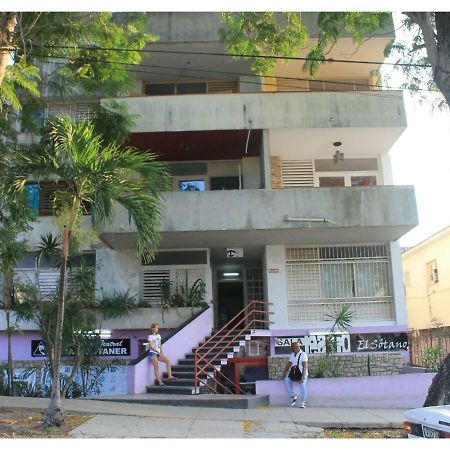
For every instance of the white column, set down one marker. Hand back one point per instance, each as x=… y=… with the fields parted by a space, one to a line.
x=386 y=169
x=275 y=268
x=398 y=287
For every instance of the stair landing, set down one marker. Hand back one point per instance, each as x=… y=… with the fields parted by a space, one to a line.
x=202 y=400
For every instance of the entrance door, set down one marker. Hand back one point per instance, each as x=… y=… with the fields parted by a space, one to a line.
x=230 y=300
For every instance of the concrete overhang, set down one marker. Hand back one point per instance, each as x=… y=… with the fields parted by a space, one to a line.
x=277 y=110
x=259 y=217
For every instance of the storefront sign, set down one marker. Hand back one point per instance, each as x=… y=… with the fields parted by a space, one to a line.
x=313 y=343
x=383 y=342
x=345 y=343
x=110 y=347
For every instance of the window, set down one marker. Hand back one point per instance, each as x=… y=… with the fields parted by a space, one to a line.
x=432 y=273
x=224 y=183
x=364 y=181
x=192 y=87
x=160 y=89
x=331 y=182
x=347 y=179
x=175 y=88
x=191 y=185
x=320 y=279
x=41 y=197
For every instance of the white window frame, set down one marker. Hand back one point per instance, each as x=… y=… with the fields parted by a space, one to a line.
x=347 y=176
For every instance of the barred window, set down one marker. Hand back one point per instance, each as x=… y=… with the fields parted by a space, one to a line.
x=320 y=279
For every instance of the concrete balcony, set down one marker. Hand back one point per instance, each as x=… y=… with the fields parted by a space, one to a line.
x=374 y=109
x=258 y=217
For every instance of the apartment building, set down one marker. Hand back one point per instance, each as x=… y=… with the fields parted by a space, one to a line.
x=425 y=272
x=282 y=192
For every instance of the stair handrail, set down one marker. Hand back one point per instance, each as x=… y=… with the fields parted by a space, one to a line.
x=197 y=361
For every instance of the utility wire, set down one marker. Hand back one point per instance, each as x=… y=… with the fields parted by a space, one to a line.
x=229 y=73
x=237 y=55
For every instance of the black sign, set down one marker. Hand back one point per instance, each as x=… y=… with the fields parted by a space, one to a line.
x=110 y=347
x=345 y=343
x=383 y=342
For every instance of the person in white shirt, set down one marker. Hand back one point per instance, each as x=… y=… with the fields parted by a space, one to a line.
x=155 y=352
x=300 y=359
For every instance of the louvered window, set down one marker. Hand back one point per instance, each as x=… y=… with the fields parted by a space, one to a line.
x=41 y=197
x=76 y=111
x=223 y=87
x=296 y=174
x=48 y=282
x=151 y=285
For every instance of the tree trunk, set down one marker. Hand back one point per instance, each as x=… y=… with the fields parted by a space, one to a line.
x=7 y=305
x=7 y=26
x=436 y=37
x=10 y=361
x=439 y=392
x=54 y=414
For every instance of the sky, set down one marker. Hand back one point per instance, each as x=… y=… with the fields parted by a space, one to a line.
x=421 y=157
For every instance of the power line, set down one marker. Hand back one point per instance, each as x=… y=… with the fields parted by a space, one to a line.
x=229 y=73
x=238 y=55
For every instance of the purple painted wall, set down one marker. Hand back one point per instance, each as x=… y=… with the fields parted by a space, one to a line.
x=393 y=391
x=21 y=344
x=141 y=375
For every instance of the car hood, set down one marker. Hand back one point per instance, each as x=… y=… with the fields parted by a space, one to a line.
x=431 y=415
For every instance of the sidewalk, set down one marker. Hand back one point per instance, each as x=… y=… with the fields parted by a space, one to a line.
x=117 y=420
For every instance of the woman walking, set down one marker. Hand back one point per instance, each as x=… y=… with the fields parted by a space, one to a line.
x=155 y=352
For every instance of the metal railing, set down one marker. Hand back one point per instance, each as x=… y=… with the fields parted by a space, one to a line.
x=253 y=315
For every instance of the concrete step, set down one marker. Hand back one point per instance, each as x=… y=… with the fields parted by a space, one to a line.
x=200 y=400
x=413 y=369
x=189 y=382
x=175 y=390
x=182 y=374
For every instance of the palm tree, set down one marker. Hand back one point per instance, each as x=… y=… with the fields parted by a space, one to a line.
x=95 y=175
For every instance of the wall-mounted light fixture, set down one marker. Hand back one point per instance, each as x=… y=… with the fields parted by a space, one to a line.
x=231 y=274
x=338 y=155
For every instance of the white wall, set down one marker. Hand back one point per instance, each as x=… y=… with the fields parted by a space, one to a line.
x=118 y=270
x=397 y=283
x=251 y=172
x=386 y=169
x=276 y=285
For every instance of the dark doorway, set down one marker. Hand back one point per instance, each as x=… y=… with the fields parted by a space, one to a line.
x=230 y=300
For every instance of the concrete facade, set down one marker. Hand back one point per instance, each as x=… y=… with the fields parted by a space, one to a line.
x=361 y=214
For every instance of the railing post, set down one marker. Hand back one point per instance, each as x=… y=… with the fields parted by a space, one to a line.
x=195 y=372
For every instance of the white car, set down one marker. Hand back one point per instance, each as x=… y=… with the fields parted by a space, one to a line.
x=431 y=422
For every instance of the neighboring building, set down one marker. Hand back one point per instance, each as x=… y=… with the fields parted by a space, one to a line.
x=260 y=158
x=426 y=272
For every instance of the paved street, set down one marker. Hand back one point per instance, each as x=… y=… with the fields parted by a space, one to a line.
x=122 y=420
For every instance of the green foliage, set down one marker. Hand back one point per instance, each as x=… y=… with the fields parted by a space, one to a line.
x=266 y=33
x=58 y=37
x=112 y=122
x=117 y=304
x=283 y=34
x=98 y=174
x=431 y=358
x=328 y=367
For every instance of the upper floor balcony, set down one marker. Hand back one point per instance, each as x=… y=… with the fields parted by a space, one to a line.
x=277 y=110
x=261 y=217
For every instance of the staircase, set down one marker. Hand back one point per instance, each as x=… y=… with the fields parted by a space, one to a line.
x=185 y=369
x=199 y=372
